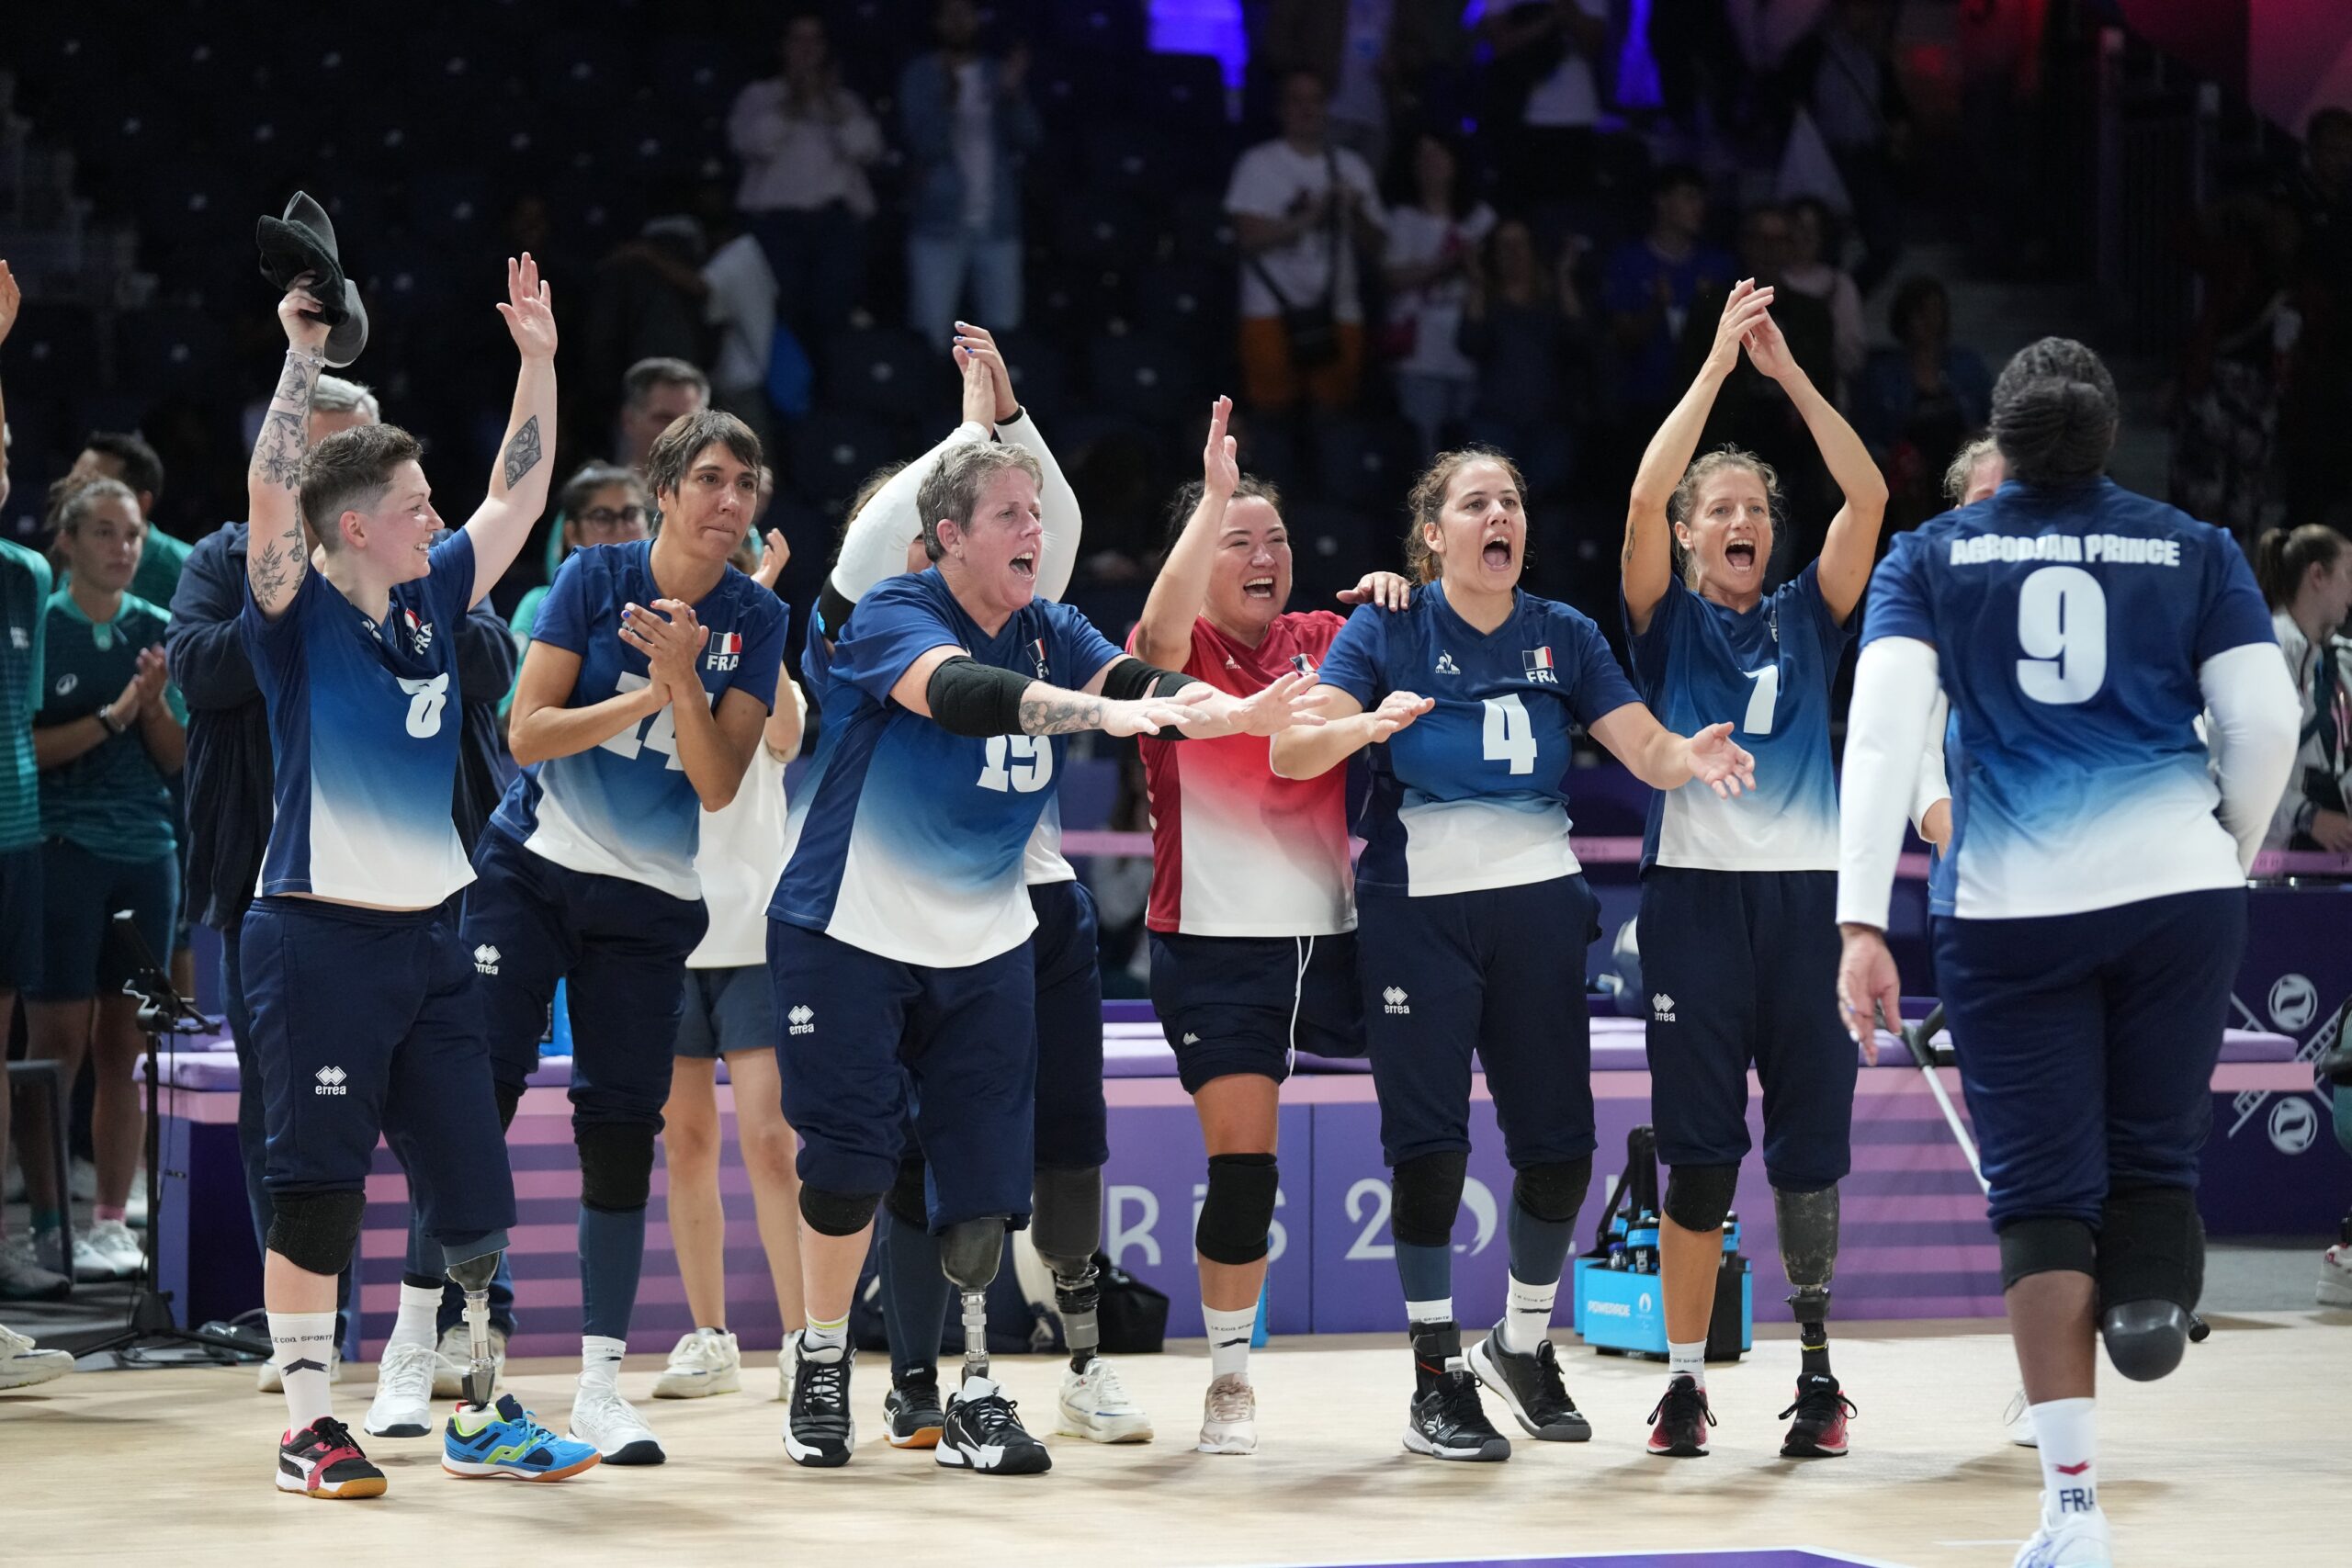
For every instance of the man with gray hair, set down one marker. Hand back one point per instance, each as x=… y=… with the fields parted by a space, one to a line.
x=654 y=392
x=899 y=939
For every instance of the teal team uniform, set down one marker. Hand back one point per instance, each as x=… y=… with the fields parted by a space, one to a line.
x=23 y=596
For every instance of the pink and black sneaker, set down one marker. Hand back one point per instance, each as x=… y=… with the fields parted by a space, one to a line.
x=321 y=1460
x=1819 y=1430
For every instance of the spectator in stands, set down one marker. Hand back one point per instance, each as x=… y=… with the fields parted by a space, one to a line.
x=646 y=302
x=1382 y=59
x=108 y=731
x=1301 y=209
x=1434 y=233
x=1920 y=401
x=653 y=393
x=128 y=456
x=805 y=141
x=2319 y=392
x=2306 y=575
x=1857 y=101
x=1546 y=94
x=1812 y=269
x=1523 y=325
x=2225 y=411
x=1648 y=288
x=968 y=124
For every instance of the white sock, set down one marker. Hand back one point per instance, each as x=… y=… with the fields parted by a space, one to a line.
x=2068 y=1431
x=826 y=1335
x=419 y=1315
x=600 y=1359
x=1528 y=1321
x=1687 y=1360
x=302 y=1344
x=1437 y=1311
x=1229 y=1334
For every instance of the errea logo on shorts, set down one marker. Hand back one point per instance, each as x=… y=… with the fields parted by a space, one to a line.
x=804 y=1020
x=330 y=1081
x=1662 y=1008
x=1393 y=1001
x=486 y=959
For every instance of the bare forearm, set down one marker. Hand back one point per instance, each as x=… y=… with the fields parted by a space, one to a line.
x=1663 y=762
x=58 y=744
x=550 y=731
x=165 y=737
x=277 y=559
x=1052 y=710
x=1309 y=753
x=713 y=763
x=1842 y=452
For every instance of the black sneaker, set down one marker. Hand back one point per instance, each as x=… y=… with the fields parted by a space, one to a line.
x=1819 y=1430
x=1531 y=1388
x=982 y=1433
x=819 y=1430
x=1681 y=1419
x=1446 y=1421
x=910 y=1414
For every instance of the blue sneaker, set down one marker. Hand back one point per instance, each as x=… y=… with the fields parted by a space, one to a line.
x=505 y=1440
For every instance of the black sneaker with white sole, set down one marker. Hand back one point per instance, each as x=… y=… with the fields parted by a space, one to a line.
x=819 y=1430
x=1531 y=1388
x=911 y=1418
x=983 y=1434
x=1446 y=1420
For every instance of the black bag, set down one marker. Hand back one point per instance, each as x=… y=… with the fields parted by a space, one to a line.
x=1312 y=329
x=1134 y=1316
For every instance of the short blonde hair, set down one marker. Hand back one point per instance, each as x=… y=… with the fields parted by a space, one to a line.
x=1963 y=467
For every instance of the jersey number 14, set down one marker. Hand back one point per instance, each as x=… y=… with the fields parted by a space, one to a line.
x=658 y=733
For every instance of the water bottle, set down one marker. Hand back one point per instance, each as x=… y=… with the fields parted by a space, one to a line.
x=1642 y=1242
x=1731 y=1239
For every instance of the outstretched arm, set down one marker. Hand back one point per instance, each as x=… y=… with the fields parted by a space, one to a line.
x=1347 y=728
x=1847 y=554
x=1648 y=560
x=277 y=556
x=1663 y=759
x=1164 y=635
x=519 y=483
x=984 y=700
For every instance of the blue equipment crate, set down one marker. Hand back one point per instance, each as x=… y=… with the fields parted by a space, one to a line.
x=1620 y=1312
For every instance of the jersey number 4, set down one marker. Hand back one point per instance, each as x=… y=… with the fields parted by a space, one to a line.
x=426 y=698
x=2061 y=627
x=658 y=733
x=1023 y=764
x=1511 y=734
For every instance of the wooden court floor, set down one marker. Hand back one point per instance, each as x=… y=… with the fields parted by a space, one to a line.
x=2229 y=1461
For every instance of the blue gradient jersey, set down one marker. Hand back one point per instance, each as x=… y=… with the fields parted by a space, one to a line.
x=625 y=808
x=363 y=723
x=1474 y=793
x=1768 y=673
x=2070 y=624
x=906 y=841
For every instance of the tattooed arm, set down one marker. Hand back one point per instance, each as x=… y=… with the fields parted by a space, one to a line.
x=278 y=555
x=518 y=485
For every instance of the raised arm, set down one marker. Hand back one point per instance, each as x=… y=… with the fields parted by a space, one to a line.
x=1648 y=560
x=518 y=483
x=1164 y=635
x=1058 y=506
x=1663 y=759
x=1851 y=547
x=874 y=551
x=276 y=555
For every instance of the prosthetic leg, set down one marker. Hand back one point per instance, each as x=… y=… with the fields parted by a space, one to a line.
x=982 y=1433
x=473 y=1277
x=1808 y=1224
x=1067 y=1226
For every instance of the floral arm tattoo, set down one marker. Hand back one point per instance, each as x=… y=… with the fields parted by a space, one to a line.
x=273 y=484
x=1064 y=713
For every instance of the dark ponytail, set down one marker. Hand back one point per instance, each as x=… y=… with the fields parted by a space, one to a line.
x=2283 y=558
x=2055 y=413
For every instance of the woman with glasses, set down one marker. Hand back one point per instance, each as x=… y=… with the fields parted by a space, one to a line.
x=604 y=504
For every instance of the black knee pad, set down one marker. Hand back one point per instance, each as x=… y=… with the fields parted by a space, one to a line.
x=1428 y=1196
x=616 y=1165
x=1699 y=1196
x=906 y=1201
x=1066 y=1217
x=510 y=1096
x=1808 y=1227
x=2046 y=1244
x=316 y=1232
x=970 y=1251
x=837 y=1214
x=1553 y=1193
x=1237 y=1213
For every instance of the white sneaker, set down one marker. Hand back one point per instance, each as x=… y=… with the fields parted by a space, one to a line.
x=2335 y=1277
x=705 y=1363
x=2018 y=1420
x=134 y=1207
x=601 y=1417
x=455 y=1358
x=269 y=1381
x=91 y=1265
x=784 y=1359
x=403 y=1404
x=1096 y=1407
x=21 y=1365
x=113 y=1238
x=2078 y=1541
x=1229 y=1416
x=22 y=1278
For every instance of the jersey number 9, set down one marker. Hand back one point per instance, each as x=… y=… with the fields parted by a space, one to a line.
x=2061 y=627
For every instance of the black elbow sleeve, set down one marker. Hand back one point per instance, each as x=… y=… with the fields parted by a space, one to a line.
x=968 y=697
x=1131 y=678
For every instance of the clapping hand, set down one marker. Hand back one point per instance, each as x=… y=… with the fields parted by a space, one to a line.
x=1744 y=306
x=772 y=559
x=975 y=346
x=671 y=639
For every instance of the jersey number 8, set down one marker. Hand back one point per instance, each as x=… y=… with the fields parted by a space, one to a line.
x=2062 y=625
x=426 y=698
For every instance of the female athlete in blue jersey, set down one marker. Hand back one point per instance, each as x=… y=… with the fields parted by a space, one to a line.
x=2078 y=631
x=1738 y=933
x=1473 y=915
x=649 y=677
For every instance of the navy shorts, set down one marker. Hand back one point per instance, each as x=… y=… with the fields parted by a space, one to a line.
x=621 y=948
x=726 y=1010
x=1498 y=971
x=1741 y=966
x=2086 y=1045
x=1072 y=1126
x=20 y=918
x=1244 y=1004
x=80 y=892
x=366 y=1022
x=868 y=1039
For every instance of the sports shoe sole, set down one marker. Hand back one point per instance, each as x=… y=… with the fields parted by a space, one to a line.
x=1679 y=1450
x=347 y=1492
x=645 y=1451
x=950 y=1456
x=466 y=1470
x=1100 y=1429
x=1488 y=1451
x=1795 y=1450
x=921 y=1437
x=397 y=1429
x=818 y=1459
x=1232 y=1443
x=701 y=1388
x=1577 y=1430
